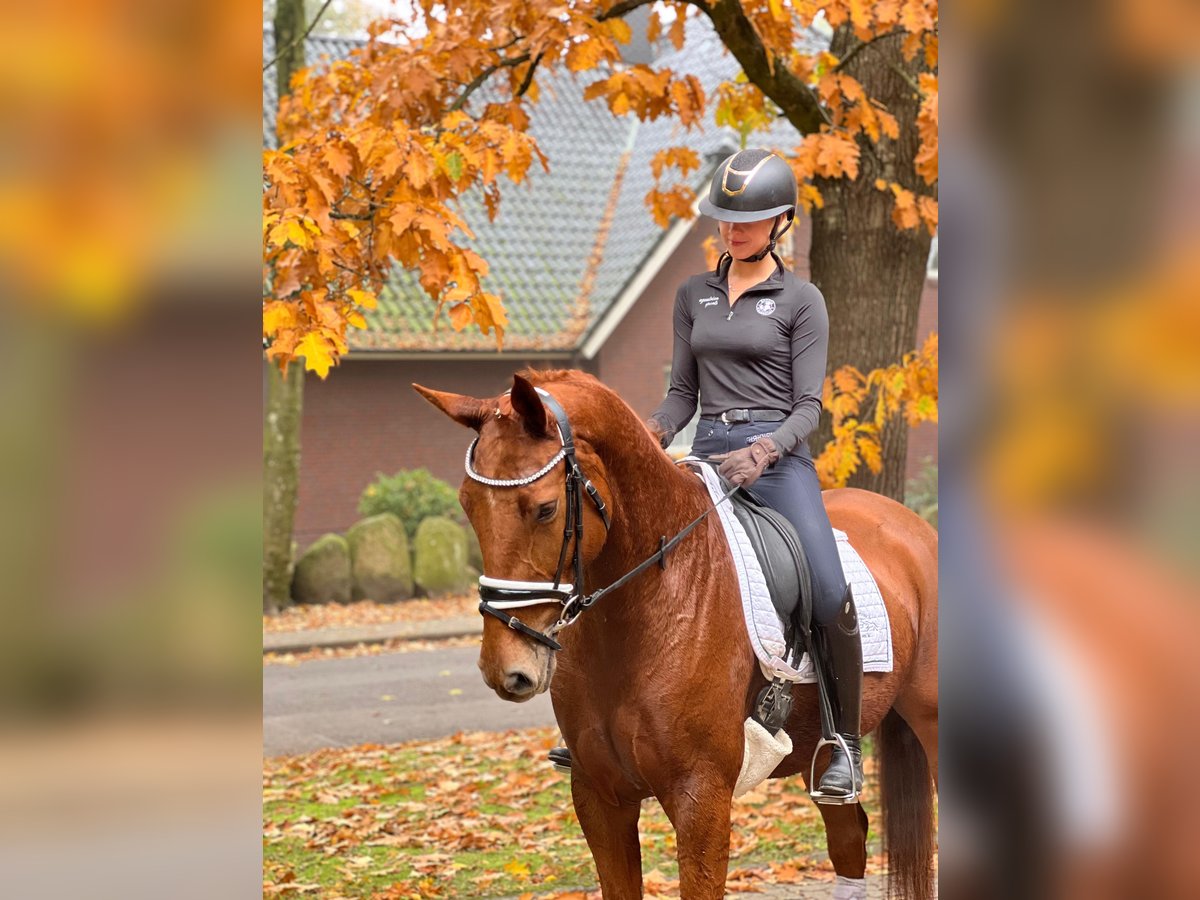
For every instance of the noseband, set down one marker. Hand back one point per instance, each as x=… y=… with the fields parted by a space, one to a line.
x=499 y=594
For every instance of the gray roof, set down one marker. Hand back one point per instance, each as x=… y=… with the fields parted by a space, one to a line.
x=315 y=50
x=565 y=242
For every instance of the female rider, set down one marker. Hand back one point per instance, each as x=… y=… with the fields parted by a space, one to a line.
x=751 y=339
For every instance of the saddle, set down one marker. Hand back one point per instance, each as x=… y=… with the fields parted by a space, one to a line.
x=783 y=561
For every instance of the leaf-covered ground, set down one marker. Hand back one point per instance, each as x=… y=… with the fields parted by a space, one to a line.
x=393 y=645
x=304 y=617
x=483 y=815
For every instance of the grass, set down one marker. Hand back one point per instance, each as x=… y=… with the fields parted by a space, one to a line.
x=477 y=816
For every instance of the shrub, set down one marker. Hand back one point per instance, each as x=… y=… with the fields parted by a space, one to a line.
x=412 y=495
x=921 y=493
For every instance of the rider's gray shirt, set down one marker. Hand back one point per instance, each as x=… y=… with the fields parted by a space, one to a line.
x=766 y=352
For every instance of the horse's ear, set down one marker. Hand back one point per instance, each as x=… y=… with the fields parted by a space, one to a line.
x=528 y=405
x=469 y=411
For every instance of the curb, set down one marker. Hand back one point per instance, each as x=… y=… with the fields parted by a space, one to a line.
x=434 y=630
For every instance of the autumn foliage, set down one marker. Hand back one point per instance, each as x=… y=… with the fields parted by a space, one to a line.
x=376 y=152
x=862 y=404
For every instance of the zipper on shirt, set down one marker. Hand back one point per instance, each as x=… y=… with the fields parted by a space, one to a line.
x=756 y=288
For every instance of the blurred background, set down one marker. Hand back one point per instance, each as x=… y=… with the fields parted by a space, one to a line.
x=131 y=411
x=1069 y=476
x=130 y=440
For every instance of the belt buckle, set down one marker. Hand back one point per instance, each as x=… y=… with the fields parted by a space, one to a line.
x=725 y=417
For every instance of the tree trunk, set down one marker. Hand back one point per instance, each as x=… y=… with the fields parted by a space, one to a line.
x=289 y=25
x=285 y=394
x=871 y=273
x=281 y=477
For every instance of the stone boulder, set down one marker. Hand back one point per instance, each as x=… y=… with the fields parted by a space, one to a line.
x=380 y=567
x=440 y=557
x=323 y=572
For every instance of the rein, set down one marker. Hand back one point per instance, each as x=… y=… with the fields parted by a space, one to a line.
x=496 y=595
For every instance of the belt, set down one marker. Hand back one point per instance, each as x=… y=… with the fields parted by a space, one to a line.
x=736 y=416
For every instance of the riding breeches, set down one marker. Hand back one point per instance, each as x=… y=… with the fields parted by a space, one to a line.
x=790 y=487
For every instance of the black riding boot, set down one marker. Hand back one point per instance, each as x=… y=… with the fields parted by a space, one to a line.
x=838 y=661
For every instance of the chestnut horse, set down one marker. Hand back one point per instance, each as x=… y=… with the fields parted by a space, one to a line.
x=654 y=682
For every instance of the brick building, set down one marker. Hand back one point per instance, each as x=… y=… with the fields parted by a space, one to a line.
x=588 y=280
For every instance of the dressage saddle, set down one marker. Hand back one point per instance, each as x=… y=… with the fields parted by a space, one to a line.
x=783 y=561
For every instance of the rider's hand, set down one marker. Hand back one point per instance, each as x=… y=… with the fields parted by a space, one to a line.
x=743 y=467
x=661 y=433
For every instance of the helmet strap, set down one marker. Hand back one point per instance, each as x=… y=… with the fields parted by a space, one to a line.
x=770 y=247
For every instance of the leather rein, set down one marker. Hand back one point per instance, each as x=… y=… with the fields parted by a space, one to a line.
x=498 y=595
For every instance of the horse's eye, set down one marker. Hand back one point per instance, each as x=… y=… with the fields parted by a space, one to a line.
x=547 y=510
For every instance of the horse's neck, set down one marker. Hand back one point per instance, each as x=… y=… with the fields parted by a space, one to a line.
x=653 y=500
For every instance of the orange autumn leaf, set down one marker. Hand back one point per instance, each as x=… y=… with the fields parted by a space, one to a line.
x=461 y=316
x=317 y=353
x=836 y=156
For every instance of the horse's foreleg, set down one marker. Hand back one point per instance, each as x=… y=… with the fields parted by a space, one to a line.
x=846 y=838
x=611 y=830
x=699 y=808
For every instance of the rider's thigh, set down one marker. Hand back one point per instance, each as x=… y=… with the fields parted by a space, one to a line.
x=791 y=488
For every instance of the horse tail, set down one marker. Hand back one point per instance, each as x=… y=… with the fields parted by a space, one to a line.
x=907 y=794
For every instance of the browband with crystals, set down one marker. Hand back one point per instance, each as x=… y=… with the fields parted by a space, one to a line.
x=510 y=482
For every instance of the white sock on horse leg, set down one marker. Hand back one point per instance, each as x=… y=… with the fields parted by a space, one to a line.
x=850 y=888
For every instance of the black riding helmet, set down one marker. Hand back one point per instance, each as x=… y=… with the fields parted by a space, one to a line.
x=750 y=186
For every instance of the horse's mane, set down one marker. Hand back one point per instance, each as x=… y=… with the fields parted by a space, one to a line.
x=589 y=384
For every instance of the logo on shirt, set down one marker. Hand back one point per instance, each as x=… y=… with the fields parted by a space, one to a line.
x=765 y=306
x=709 y=301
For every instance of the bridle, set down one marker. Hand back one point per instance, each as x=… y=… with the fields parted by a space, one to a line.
x=497 y=595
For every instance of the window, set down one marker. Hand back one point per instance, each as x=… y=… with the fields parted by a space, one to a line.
x=931 y=265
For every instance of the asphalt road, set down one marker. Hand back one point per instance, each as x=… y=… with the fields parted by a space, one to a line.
x=387 y=698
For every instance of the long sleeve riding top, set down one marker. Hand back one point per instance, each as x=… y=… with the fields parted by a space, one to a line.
x=767 y=351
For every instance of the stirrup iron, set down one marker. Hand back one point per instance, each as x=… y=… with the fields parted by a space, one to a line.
x=832 y=799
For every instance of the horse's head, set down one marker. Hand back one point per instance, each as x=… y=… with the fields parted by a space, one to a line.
x=520 y=522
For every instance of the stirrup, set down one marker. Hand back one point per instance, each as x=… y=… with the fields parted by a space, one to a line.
x=832 y=799
x=560 y=758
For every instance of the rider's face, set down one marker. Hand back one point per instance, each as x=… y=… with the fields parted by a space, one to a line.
x=744 y=239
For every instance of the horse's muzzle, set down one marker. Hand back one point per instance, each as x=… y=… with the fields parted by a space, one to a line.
x=521 y=683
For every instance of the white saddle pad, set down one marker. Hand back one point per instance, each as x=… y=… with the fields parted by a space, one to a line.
x=762 y=622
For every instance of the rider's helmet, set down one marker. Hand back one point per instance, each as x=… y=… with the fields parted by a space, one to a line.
x=749 y=186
